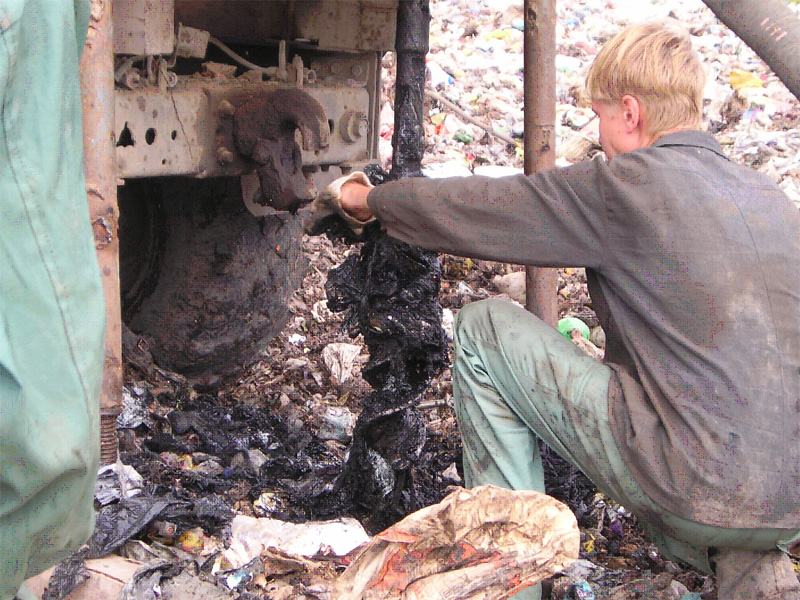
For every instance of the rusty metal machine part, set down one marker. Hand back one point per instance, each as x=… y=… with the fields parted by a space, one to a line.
x=183 y=131
x=264 y=128
x=170 y=124
x=221 y=113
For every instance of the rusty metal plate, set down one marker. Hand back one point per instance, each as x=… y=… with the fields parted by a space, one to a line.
x=359 y=24
x=341 y=24
x=182 y=131
x=143 y=26
x=162 y=133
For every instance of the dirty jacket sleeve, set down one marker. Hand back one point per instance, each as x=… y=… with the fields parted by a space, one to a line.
x=496 y=219
x=688 y=259
x=51 y=301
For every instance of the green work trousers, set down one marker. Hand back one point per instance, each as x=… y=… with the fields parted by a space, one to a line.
x=515 y=381
x=52 y=312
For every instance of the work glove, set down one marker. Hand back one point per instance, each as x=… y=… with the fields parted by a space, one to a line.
x=328 y=204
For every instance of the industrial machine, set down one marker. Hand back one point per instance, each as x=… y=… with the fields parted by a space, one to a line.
x=228 y=116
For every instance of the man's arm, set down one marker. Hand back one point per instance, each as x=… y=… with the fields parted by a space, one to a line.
x=552 y=219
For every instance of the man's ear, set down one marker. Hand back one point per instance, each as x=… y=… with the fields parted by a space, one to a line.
x=632 y=113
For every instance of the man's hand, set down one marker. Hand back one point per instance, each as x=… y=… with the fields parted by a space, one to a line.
x=345 y=197
x=353 y=199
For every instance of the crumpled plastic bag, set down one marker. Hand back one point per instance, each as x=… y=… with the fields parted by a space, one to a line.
x=340 y=359
x=251 y=536
x=740 y=80
x=486 y=543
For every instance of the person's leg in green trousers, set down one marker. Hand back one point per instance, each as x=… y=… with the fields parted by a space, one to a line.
x=517 y=380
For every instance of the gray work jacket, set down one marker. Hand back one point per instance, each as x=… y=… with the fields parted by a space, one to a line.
x=692 y=267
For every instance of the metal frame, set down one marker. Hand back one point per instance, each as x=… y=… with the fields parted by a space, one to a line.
x=97 y=86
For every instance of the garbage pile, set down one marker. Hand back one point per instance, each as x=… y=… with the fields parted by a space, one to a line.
x=475 y=63
x=390 y=291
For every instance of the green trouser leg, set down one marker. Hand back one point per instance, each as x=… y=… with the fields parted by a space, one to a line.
x=516 y=380
x=49 y=451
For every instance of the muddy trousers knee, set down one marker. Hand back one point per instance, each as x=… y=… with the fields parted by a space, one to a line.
x=515 y=381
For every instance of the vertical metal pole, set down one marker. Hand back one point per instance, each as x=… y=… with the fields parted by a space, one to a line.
x=411 y=44
x=97 y=83
x=539 y=50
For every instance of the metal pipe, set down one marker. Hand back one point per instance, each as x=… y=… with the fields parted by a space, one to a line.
x=411 y=44
x=97 y=88
x=539 y=53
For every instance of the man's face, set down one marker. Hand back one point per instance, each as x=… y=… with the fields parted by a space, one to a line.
x=613 y=128
x=621 y=126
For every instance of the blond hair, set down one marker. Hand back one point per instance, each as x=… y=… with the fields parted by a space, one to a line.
x=655 y=63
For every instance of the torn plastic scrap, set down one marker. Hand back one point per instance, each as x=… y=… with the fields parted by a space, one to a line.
x=251 y=536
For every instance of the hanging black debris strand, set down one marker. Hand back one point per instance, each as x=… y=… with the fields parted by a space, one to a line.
x=389 y=292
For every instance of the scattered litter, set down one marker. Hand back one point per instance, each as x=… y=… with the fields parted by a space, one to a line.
x=568 y=325
x=580 y=590
x=97 y=579
x=340 y=358
x=658 y=587
x=437 y=76
x=464 y=289
x=296 y=339
x=512 y=284
x=159 y=580
x=448 y=320
x=451 y=168
x=740 y=80
x=598 y=337
x=135 y=412
x=251 y=536
x=334 y=422
x=67 y=576
x=476 y=61
x=497 y=171
x=116 y=481
x=297 y=362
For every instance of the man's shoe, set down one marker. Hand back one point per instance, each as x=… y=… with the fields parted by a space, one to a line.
x=746 y=575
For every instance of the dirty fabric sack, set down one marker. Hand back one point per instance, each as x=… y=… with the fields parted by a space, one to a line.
x=486 y=543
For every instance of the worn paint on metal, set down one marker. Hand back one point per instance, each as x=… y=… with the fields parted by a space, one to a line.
x=539 y=52
x=97 y=83
x=186 y=130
